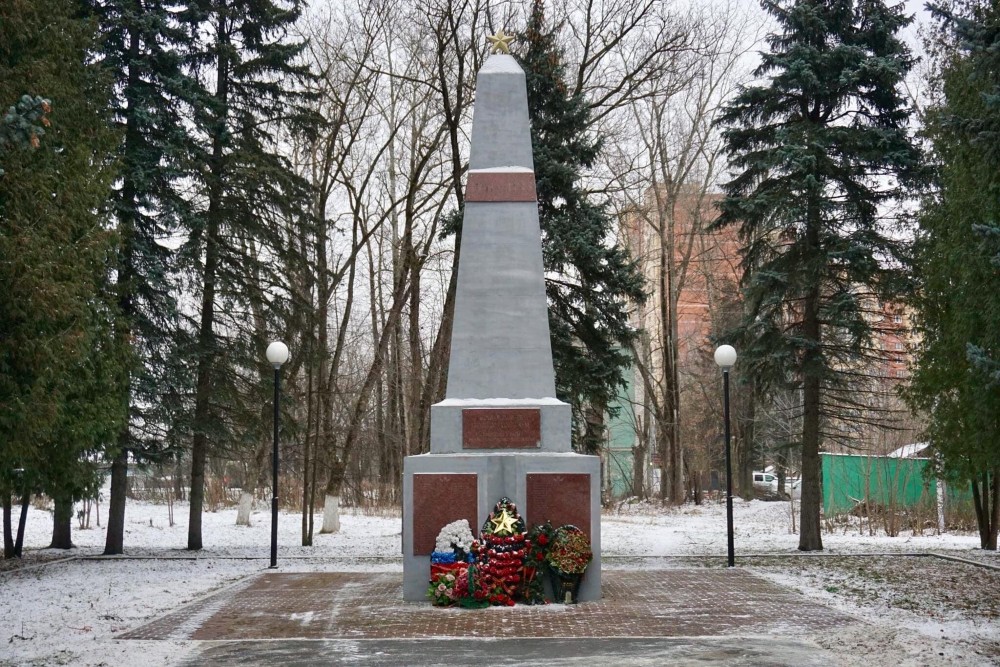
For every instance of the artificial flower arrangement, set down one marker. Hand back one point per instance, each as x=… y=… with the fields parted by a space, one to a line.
x=450 y=562
x=505 y=564
x=569 y=551
x=442 y=589
x=568 y=556
x=453 y=543
x=538 y=540
x=500 y=557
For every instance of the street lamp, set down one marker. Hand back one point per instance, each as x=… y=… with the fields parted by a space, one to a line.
x=277 y=354
x=725 y=357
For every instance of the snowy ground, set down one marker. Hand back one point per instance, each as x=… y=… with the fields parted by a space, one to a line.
x=922 y=611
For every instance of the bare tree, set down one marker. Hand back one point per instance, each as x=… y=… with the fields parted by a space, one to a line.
x=667 y=175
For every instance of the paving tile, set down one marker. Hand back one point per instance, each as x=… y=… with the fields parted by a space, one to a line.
x=350 y=605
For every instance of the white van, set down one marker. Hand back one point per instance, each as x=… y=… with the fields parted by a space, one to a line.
x=766 y=481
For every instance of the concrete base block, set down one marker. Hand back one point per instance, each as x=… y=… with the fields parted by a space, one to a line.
x=525 y=478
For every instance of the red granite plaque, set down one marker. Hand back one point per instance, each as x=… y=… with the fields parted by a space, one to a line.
x=560 y=498
x=501 y=428
x=439 y=499
x=501 y=186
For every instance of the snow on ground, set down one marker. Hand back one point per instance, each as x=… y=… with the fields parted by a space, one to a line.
x=65 y=612
x=758 y=527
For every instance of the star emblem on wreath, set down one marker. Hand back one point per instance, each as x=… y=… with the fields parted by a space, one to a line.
x=503 y=524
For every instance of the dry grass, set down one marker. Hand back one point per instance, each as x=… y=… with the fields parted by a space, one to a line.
x=932 y=588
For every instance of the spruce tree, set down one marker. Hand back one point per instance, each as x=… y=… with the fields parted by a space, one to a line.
x=20 y=126
x=955 y=381
x=590 y=278
x=979 y=34
x=59 y=365
x=143 y=48
x=247 y=187
x=820 y=150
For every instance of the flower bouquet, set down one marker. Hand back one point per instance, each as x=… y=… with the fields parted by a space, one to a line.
x=452 y=548
x=537 y=545
x=442 y=589
x=568 y=556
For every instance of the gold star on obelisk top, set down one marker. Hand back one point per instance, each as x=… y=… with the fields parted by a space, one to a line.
x=503 y=524
x=500 y=42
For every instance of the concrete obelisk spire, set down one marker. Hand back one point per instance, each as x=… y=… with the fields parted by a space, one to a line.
x=500 y=345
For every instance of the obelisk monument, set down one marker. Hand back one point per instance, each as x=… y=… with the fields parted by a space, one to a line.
x=500 y=430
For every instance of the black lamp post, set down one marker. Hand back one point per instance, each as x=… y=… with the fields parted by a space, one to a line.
x=725 y=357
x=277 y=354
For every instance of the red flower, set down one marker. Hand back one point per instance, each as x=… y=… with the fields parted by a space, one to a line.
x=543 y=539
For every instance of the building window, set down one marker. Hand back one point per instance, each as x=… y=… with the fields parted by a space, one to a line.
x=897 y=319
x=899 y=347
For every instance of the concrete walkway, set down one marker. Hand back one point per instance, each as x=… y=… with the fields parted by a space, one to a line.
x=672 y=617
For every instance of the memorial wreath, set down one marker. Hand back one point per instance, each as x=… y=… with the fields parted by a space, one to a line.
x=506 y=564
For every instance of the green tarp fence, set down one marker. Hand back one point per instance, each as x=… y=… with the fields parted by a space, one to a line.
x=895 y=482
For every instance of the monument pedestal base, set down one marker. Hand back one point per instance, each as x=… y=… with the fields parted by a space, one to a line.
x=564 y=488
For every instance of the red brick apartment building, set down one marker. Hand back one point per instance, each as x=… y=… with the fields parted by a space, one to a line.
x=668 y=235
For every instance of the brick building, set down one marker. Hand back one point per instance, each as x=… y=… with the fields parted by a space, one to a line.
x=677 y=253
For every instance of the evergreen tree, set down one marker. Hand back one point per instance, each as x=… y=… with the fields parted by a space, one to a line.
x=90 y=412
x=591 y=279
x=820 y=150
x=956 y=382
x=19 y=126
x=980 y=126
x=143 y=49
x=59 y=366
x=246 y=187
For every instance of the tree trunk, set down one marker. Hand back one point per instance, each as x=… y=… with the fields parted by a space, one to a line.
x=244 y=507
x=986 y=500
x=331 y=502
x=179 y=478
x=744 y=457
x=308 y=461
x=22 y=520
x=331 y=515
x=810 y=538
x=595 y=436
x=437 y=367
x=127 y=286
x=62 y=523
x=255 y=473
x=206 y=329
x=8 y=535
x=312 y=501
x=991 y=543
x=781 y=461
x=414 y=387
x=199 y=444
x=661 y=448
x=639 y=469
x=114 y=542
x=594 y=429
x=641 y=449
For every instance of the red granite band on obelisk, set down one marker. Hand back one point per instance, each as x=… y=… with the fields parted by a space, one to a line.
x=501 y=186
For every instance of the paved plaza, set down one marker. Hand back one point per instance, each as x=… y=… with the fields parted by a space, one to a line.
x=674 y=616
